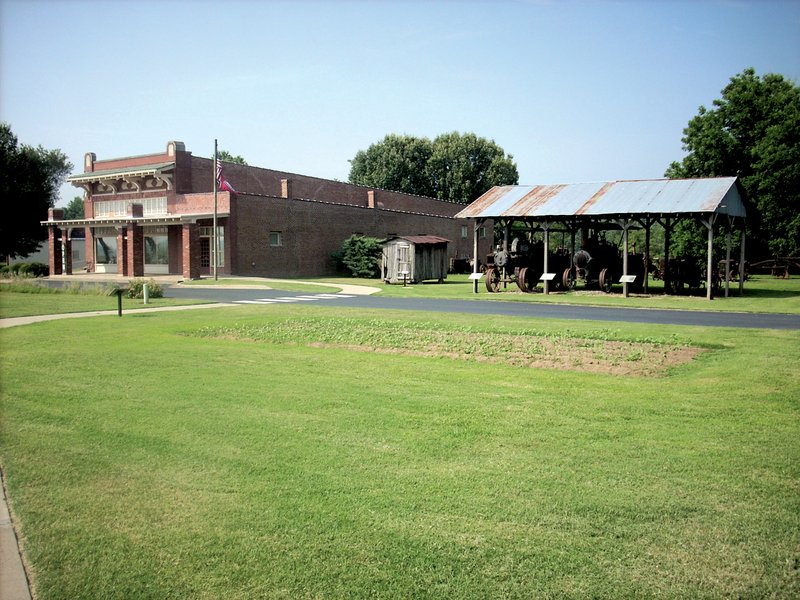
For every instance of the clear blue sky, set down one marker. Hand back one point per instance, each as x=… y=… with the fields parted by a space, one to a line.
x=576 y=91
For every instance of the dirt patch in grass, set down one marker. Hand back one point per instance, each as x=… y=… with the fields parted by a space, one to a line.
x=612 y=358
x=526 y=349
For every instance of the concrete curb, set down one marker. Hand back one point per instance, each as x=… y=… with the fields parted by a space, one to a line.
x=13 y=578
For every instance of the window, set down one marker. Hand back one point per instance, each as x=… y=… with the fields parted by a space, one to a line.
x=275 y=239
x=105 y=244
x=464 y=232
x=482 y=233
x=106 y=250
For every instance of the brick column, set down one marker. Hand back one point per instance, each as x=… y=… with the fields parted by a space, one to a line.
x=54 y=249
x=66 y=243
x=122 y=252
x=53 y=242
x=190 y=241
x=135 y=248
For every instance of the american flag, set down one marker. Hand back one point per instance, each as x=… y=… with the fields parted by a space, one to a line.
x=222 y=183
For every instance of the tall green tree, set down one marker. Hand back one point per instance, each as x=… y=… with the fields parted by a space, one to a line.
x=226 y=156
x=30 y=178
x=464 y=166
x=753 y=132
x=454 y=166
x=74 y=210
x=397 y=163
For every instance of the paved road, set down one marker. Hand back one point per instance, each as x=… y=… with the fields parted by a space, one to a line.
x=493 y=307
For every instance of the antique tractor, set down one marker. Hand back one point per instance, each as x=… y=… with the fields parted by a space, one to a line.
x=599 y=264
x=523 y=264
x=684 y=276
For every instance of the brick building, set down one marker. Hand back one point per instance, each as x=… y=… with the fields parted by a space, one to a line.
x=152 y=214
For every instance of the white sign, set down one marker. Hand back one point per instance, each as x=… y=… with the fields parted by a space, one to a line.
x=475 y=276
x=627 y=279
x=547 y=277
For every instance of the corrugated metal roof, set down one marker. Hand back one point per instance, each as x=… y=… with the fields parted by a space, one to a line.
x=421 y=239
x=611 y=198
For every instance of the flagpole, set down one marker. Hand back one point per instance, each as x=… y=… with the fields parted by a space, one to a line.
x=214 y=226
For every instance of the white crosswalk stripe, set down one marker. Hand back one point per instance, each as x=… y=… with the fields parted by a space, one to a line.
x=289 y=299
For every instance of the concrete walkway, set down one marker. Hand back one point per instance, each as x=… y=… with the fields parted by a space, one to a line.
x=13 y=579
x=176 y=280
x=14 y=321
x=168 y=281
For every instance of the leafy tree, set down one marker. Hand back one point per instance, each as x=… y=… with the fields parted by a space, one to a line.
x=226 y=156
x=398 y=163
x=753 y=132
x=74 y=210
x=454 y=166
x=361 y=255
x=462 y=167
x=30 y=180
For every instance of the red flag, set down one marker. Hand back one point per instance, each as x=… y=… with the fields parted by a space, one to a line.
x=222 y=183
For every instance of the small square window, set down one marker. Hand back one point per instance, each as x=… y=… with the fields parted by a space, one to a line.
x=275 y=239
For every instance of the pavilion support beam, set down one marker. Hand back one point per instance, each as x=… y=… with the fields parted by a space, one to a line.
x=728 y=256
x=506 y=232
x=625 y=224
x=648 y=222
x=475 y=233
x=741 y=264
x=546 y=235
x=667 y=234
x=710 y=261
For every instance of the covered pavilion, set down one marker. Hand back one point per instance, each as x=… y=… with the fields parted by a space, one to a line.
x=617 y=205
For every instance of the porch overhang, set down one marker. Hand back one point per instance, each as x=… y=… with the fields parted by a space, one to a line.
x=134 y=175
x=141 y=221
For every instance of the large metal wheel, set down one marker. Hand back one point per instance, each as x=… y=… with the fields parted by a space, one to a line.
x=525 y=280
x=492 y=280
x=606 y=280
x=568 y=279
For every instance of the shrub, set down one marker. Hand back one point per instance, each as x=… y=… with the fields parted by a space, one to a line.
x=136 y=289
x=34 y=269
x=362 y=255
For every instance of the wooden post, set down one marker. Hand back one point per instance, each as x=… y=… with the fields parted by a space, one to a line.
x=475 y=255
x=647 y=223
x=710 y=262
x=728 y=257
x=625 y=226
x=546 y=229
x=667 y=232
x=741 y=264
x=506 y=228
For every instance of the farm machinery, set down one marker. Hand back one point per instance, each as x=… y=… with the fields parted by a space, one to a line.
x=523 y=264
x=598 y=264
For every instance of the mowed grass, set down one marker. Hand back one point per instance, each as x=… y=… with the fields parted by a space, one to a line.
x=164 y=455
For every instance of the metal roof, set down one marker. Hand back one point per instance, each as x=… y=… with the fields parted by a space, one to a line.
x=420 y=239
x=611 y=198
x=139 y=171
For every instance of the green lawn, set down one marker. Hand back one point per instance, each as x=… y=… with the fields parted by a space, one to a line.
x=309 y=452
x=763 y=293
x=55 y=301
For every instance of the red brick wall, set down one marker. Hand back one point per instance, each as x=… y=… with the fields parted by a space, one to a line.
x=312 y=231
